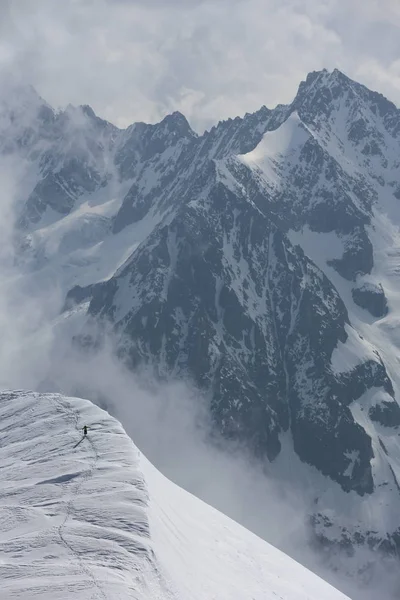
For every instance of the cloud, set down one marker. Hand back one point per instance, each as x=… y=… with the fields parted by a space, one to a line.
x=136 y=60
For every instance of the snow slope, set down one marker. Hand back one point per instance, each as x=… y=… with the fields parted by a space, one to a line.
x=97 y=520
x=276 y=147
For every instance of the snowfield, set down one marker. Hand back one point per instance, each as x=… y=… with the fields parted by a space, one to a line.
x=92 y=518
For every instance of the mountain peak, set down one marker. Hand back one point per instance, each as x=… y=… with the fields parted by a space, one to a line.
x=318 y=92
x=322 y=79
x=176 y=122
x=88 y=110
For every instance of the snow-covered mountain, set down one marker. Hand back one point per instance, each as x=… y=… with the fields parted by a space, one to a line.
x=92 y=518
x=259 y=260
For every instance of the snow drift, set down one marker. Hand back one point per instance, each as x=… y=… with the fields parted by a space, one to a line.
x=92 y=518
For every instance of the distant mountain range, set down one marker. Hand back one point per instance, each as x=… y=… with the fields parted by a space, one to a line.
x=260 y=260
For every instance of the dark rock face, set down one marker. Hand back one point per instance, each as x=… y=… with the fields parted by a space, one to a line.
x=59 y=191
x=386 y=413
x=142 y=143
x=347 y=541
x=151 y=155
x=70 y=150
x=219 y=294
x=77 y=295
x=372 y=298
x=357 y=258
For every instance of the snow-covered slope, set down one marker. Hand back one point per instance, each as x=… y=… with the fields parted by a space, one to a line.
x=92 y=518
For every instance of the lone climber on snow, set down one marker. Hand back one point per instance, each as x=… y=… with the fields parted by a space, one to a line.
x=84 y=429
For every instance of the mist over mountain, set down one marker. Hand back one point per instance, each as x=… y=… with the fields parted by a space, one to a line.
x=259 y=262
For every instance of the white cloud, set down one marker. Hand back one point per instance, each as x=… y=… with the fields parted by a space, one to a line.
x=136 y=60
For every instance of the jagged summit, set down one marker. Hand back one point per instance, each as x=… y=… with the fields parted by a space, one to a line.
x=176 y=121
x=325 y=77
x=316 y=91
x=334 y=79
x=321 y=89
x=88 y=110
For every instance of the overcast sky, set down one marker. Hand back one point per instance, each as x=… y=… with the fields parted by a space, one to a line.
x=139 y=59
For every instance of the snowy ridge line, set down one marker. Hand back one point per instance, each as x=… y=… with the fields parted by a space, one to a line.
x=188 y=550
x=85 y=476
x=68 y=528
x=163 y=583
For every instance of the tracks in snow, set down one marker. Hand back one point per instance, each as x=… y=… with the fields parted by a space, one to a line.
x=86 y=475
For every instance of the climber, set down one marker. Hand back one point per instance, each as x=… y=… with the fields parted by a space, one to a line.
x=84 y=430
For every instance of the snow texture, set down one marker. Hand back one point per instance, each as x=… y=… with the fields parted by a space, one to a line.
x=92 y=518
